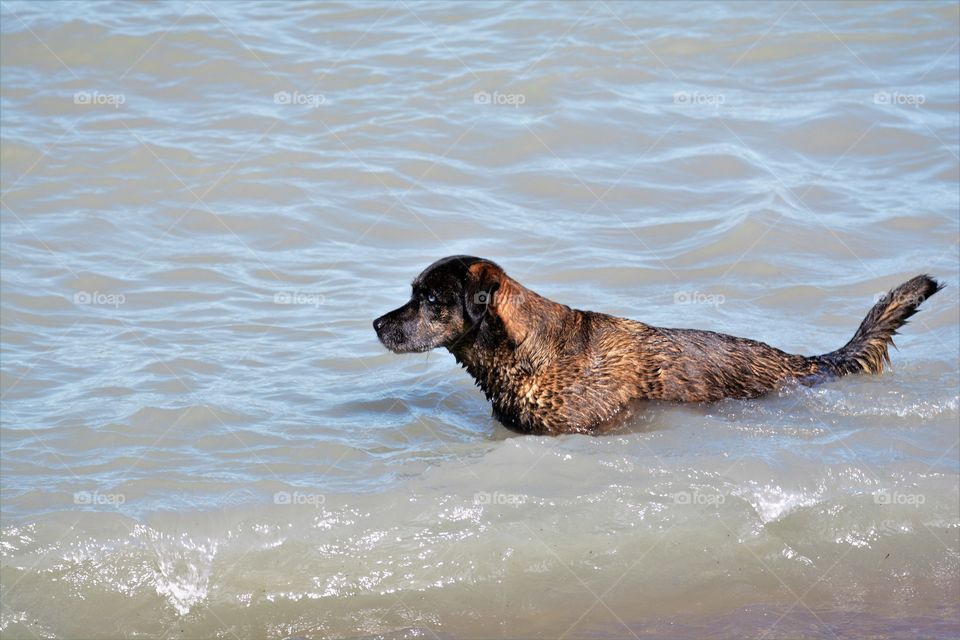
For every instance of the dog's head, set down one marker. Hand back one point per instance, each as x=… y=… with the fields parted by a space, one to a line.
x=450 y=301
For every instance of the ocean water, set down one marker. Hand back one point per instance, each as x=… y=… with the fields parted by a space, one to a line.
x=205 y=204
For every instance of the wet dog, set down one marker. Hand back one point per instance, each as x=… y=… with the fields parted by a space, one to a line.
x=550 y=369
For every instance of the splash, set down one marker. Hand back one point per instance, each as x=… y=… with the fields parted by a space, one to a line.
x=182 y=567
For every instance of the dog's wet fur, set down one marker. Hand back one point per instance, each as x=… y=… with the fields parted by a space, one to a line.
x=550 y=369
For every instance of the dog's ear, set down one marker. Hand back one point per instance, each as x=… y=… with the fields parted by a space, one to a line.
x=483 y=282
x=492 y=294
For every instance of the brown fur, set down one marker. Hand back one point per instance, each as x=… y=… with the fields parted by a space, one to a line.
x=550 y=369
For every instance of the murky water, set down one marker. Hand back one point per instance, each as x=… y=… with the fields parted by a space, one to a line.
x=205 y=204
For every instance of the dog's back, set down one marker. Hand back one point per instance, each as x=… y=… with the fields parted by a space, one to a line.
x=703 y=366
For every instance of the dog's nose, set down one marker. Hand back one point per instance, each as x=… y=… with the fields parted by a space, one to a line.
x=377 y=324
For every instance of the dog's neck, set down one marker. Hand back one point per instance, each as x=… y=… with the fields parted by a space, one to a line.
x=519 y=336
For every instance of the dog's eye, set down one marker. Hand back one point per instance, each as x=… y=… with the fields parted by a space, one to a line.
x=431 y=298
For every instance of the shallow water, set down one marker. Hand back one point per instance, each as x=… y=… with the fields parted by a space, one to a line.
x=205 y=205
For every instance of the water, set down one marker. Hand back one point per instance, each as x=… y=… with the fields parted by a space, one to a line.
x=205 y=205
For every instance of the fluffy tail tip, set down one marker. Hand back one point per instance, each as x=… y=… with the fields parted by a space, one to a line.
x=867 y=351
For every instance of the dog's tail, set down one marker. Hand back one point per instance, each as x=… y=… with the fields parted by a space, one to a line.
x=867 y=351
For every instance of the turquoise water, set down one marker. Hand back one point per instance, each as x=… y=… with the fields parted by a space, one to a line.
x=205 y=205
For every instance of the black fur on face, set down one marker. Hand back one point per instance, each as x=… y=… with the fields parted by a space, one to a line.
x=448 y=303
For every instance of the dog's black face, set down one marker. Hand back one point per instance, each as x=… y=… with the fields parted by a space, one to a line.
x=447 y=303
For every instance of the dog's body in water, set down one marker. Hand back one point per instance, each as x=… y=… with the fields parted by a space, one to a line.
x=550 y=369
